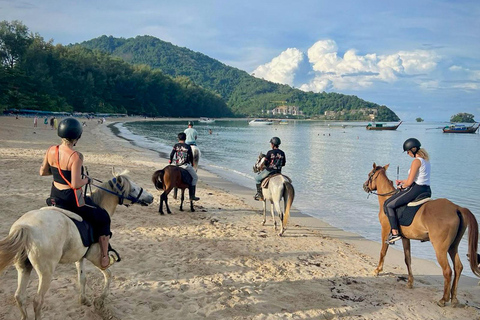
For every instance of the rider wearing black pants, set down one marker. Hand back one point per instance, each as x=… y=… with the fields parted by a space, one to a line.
x=418 y=182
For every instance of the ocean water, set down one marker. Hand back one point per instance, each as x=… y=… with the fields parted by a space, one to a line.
x=329 y=162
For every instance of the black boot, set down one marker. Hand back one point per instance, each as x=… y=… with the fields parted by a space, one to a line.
x=191 y=192
x=259 y=195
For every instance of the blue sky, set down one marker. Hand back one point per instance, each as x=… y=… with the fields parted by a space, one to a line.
x=420 y=58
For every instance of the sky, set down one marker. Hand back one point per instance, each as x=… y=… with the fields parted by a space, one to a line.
x=420 y=58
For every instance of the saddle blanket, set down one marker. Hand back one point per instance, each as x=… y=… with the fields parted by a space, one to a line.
x=267 y=179
x=407 y=213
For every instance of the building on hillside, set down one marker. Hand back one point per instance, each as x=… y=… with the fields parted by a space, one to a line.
x=286 y=111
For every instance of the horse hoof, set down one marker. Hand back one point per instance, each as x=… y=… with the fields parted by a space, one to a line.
x=441 y=303
x=375 y=272
x=193 y=210
x=161 y=213
x=169 y=212
x=456 y=304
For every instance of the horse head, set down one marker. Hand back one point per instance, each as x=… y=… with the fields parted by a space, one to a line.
x=260 y=164
x=371 y=183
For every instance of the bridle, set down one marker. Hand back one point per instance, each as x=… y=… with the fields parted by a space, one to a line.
x=371 y=179
x=119 y=191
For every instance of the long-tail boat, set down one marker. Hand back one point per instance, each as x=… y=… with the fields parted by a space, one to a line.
x=460 y=128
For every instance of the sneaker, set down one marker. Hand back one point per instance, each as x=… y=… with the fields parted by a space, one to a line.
x=392 y=238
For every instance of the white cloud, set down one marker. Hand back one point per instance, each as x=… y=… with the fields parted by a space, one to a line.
x=282 y=68
x=352 y=71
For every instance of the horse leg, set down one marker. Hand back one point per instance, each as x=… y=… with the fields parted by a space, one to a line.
x=447 y=272
x=408 y=261
x=44 y=279
x=160 y=208
x=280 y=214
x=82 y=279
x=458 y=267
x=191 y=206
x=264 y=212
x=107 y=276
x=383 y=251
x=23 y=270
x=272 y=212
x=182 y=198
x=166 y=203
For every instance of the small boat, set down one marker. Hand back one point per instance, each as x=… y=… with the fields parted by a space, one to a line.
x=206 y=120
x=283 y=122
x=382 y=126
x=460 y=128
x=260 y=122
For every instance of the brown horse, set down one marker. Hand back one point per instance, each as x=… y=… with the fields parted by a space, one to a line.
x=439 y=221
x=166 y=179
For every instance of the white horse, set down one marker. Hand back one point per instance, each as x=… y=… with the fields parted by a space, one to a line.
x=279 y=186
x=41 y=239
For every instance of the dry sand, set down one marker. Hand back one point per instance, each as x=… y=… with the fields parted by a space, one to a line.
x=218 y=262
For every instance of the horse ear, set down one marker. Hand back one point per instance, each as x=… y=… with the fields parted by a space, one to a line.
x=374 y=165
x=386 y=167
x=113 y=172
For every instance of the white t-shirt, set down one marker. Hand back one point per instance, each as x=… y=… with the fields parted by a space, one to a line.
x=191 y=135
x=423 y=174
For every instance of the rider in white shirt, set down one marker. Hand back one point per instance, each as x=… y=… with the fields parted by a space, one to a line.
x=191 y=134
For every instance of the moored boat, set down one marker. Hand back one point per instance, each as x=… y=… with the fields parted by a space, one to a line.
x=460 y=128
x=382 y=126
x=260 y=122
x=206 y=120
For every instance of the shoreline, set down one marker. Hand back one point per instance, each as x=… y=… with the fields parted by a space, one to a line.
x=216 y=263
x=365 y=246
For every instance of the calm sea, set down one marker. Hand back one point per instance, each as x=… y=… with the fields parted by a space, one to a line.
x=329 y=162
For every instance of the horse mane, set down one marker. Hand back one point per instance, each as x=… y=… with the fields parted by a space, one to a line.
x=122 y=179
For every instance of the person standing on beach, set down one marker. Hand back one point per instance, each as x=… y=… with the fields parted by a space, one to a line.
x=191 y=134
x=66 y=166
x=45 y=122
x=183 y=156
x=35 y=122
x=274 y=161
x=418 y=182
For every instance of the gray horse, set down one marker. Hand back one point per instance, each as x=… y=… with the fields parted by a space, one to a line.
x=277 y=187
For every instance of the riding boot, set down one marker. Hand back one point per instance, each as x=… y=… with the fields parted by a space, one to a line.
x=191 y=192
x=259 y=195
x=104 y=258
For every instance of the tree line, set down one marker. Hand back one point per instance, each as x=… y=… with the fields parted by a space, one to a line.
x=35 y=74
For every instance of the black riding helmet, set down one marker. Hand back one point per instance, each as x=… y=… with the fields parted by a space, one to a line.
x=411 y=143
x=275 y=141
x=70 y=128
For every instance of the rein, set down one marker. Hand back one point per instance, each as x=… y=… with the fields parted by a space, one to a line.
x=371 y=179
x=116 y=186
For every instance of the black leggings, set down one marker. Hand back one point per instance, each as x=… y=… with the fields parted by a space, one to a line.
x=402 y=198
x=93 y=214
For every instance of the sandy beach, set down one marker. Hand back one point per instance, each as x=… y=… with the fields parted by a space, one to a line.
x=216 y=263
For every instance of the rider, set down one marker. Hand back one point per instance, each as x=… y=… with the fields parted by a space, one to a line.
x=418 y=182
x=191 y=134
x=274 y=161
x=66 y=166
x=184 y=159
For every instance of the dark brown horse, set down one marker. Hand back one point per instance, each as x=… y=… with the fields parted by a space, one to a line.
x=439 y=221
x=166 y=179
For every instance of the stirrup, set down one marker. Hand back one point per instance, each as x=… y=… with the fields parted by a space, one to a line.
x=259 y=197
x=112 y=260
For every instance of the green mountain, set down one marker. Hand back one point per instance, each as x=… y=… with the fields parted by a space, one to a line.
x=243 y=93
x=38 y=75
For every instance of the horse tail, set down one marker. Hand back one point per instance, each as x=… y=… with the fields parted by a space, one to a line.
x=288 y=196
x=13 y=248
x=157 y=179
x=472 y=224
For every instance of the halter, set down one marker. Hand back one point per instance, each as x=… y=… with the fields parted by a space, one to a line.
x=120 y=193
x=371 y=179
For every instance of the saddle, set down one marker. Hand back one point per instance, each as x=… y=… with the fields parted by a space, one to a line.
x=267 y=179
x=186 y=177
x=407 y=212
x=84 y=228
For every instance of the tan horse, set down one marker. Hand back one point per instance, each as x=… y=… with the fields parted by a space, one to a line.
x=279 y=187
x=41 y=239
x=439 y=221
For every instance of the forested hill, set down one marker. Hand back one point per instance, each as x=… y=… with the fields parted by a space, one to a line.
x=244 y=94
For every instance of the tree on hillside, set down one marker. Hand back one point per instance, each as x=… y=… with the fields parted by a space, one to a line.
x=463 y=117
x=419 y=119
